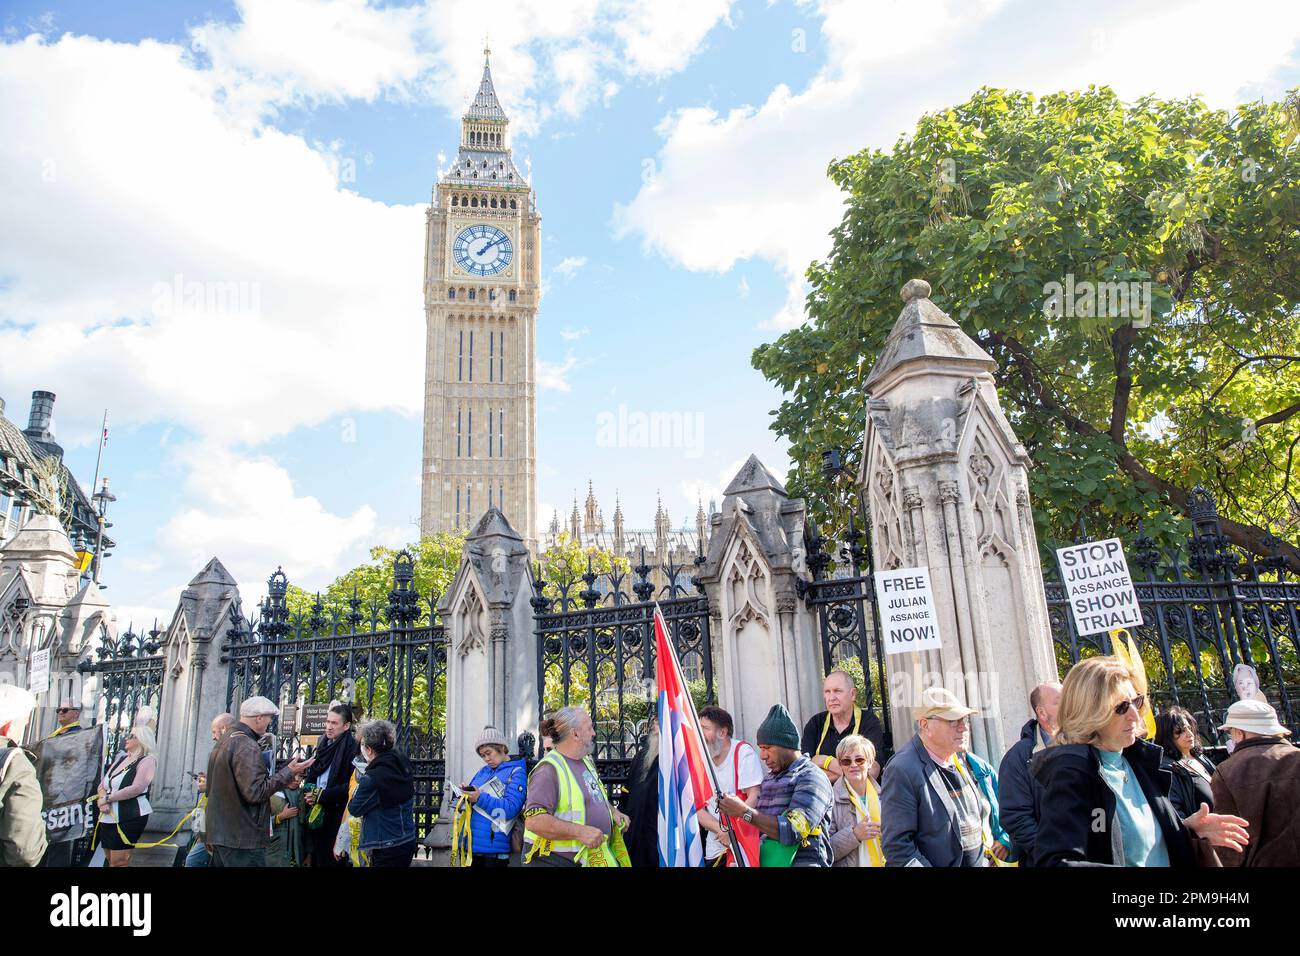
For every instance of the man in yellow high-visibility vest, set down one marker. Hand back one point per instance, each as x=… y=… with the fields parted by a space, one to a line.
x=568 y=819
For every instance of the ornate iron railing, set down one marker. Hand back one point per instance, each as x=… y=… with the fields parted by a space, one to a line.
x=391 y=660
x=847 y=623
x=1209 y=611
x=130 y=672
x=596 y=648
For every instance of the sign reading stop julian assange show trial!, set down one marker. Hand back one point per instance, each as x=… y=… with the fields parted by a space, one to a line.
x=908 y=621
x=1099 y=587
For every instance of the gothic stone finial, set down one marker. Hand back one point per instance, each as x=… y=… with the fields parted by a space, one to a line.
x=916 y=289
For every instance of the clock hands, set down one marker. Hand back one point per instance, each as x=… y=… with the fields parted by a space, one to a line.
x=492 y=243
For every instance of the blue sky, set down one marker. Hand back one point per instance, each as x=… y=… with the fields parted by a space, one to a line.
x=286 y=149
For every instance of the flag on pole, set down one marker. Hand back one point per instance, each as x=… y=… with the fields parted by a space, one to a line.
x=685 y=780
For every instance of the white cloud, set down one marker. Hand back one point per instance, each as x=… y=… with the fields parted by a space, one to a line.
x=245 y=510
x=569 y=266
x=160 y=255
x=570 y=334
x=660 y=38
x=889 y=62
x=554 y=376
x=288 y=51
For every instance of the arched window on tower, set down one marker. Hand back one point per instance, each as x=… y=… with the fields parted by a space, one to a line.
x=494 y=198
x=474 y=201
x=454 y=200
x=512 y=204
x=471 y=295
x=451 y=293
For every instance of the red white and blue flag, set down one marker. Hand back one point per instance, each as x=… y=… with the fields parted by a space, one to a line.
x=685 y=785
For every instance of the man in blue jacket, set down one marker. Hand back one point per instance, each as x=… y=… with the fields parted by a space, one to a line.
x=1019 y=793
x=930 y=813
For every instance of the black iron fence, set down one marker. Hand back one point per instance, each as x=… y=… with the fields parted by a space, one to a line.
x=846 y=619
x=596 y=649
x=130 y=673
x=390 y=659
x=1217 y=623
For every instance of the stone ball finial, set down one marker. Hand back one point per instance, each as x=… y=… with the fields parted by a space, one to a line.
x=916 y=289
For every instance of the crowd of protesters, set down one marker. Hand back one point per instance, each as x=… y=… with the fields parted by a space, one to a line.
x=1082 y=786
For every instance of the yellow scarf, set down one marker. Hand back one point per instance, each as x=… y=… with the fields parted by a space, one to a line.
x=870 y=812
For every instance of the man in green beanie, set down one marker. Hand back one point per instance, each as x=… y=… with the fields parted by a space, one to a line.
x=794 y=803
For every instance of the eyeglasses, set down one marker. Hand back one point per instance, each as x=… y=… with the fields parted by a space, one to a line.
x=65 y=710
x=852 y=761
x=1137 y=703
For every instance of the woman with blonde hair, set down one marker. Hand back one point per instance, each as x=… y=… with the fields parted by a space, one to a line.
x=124 y=797
x=855 y=807
x=1105 y=794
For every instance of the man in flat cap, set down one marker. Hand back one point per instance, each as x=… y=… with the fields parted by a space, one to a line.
x=930 y=812
x=239 y=788
x=1261 y=782
x=794 y=804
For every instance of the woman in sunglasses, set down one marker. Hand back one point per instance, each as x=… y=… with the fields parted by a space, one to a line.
x=855 y=812
x=124 y=797
x=1105 y=794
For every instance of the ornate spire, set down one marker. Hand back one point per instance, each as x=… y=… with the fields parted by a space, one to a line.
x=486 y=105
x=575 y=519
x=591 y=522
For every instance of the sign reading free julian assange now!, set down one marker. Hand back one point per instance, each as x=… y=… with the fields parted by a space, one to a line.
x=906 y=606
x=1099 y=587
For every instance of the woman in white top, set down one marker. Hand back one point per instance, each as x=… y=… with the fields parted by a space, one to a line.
x=124 y=797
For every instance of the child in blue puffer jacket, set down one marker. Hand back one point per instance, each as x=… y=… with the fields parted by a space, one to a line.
x=498 y=790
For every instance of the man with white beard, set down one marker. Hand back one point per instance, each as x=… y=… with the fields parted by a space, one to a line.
x=737 y=769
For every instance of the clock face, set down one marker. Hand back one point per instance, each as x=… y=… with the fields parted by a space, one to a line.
x=482 y=250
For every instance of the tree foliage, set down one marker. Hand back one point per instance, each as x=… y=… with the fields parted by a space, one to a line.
x=436 y=560
x=994 y=200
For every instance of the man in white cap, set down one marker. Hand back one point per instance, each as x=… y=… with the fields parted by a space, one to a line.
x=239 y=789
x=1261 y=782
x=930 y=812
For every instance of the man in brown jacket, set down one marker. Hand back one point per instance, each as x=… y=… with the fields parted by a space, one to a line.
x=22 y=828
x=239 y=787
x=1261 y=782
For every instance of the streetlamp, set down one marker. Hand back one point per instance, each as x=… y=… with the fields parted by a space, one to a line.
x=102 y=498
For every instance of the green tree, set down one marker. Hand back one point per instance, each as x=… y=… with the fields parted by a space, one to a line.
x=994 y=200
x=436 y=559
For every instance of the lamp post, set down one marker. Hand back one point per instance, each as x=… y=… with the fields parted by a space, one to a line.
x=102 y=499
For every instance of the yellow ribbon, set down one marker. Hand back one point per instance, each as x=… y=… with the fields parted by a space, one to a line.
x=462 y=836
x=802 y=828
x=148 y=846
x=1125 y=648
x=870 y=812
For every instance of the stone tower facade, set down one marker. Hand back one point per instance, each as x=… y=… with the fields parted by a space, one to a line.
x=482 y=274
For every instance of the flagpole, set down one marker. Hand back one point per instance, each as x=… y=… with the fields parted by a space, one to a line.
x=100 y=456
x=708 y=758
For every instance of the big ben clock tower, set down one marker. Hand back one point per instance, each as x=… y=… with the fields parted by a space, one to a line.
x=481 y=272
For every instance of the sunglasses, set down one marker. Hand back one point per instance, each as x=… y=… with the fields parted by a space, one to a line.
x=1137 y=703
x=65 y=710
x=852 y=761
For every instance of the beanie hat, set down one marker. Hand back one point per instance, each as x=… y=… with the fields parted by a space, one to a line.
x=778 y=730
x=491 y=736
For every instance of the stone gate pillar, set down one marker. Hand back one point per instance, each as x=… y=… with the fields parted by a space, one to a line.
x=42 y=607
x=193 y=689
x=765 y=643
x=491 y=649
x=947 y=485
